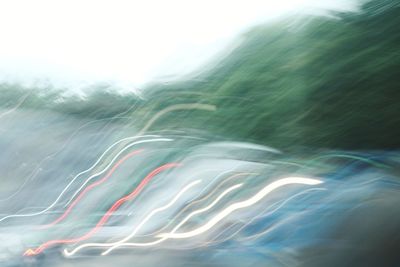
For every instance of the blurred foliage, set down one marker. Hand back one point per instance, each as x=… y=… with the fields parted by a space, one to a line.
x=324 y=82
x=328 y=82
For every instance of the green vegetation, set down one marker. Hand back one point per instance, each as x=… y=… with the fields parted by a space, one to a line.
x=322 y=82
x=306 y=81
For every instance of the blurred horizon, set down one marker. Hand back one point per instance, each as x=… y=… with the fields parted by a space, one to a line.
x=73 y=44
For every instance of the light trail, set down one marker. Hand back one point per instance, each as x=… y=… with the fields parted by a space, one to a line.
x=185 y=220
x=240 y=205
x=262 y=214
x=154 y=118
x=121 y=242
x=202 y=199
x=38 y=169
x=144 y=129
x=144 y=220
x=79 y=174
x=112 y=161
x=186 y=188
x=257 y=235
x=90 y=187
x=106 y=216
x=99 y=159
x=187 y=106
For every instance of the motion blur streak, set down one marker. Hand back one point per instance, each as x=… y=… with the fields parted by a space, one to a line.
x=192 y=203
x=112 y=161
x=106 y=216
x=116 y=244
x=185 y=220
x=206 y=196
x=70 y=253
x=284 y=90
x=243 y=204
x=263 y=214
x=188 y=106
x=76 y=177
x=152 y=213
x=90 y=187
x=21 y=101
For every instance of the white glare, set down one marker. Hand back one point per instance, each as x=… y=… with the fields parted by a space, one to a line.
x=70 y=42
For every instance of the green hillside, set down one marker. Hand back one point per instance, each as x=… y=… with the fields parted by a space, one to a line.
x=321 y=82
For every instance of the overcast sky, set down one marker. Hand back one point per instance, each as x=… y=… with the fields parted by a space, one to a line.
x=74 y=41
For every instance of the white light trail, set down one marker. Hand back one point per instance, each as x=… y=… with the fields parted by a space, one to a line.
x=186 y=219
x=240 y=205
x=79 y=174
x=112 y=161
x=121 y=242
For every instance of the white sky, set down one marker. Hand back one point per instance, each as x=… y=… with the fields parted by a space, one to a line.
x=72 y=41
